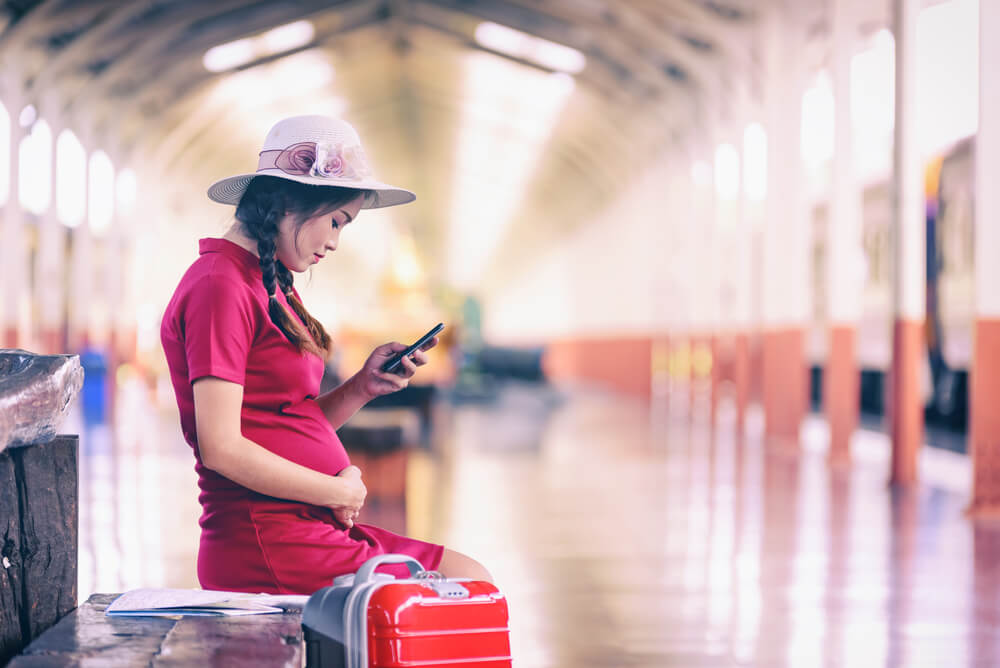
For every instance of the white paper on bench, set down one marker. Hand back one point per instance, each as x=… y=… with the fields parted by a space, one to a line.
x=168 y=602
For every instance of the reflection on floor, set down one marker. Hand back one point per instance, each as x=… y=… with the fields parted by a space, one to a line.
x=621 y=537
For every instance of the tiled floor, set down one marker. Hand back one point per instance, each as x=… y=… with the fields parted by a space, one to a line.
x=623 y=537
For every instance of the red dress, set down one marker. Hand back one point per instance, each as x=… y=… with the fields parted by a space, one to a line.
x=217 y=325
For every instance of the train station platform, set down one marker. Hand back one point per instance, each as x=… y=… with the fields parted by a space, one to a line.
x=623 y=537
x=738 y=245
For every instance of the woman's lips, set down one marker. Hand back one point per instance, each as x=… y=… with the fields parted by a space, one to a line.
x=317 y=256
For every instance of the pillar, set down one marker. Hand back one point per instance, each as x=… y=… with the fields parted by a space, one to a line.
x=51 y=256
x=729 y=250
x=786 y=251
x=984 y=433
x=703 y=283
x=841 y=379
x=81 y=271
x=13 y=261
x=908 y=247
x=740 y=270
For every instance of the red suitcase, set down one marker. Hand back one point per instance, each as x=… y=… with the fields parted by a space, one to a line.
x=372 y=620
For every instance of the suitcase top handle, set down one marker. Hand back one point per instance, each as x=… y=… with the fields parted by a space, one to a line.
x=368 y=568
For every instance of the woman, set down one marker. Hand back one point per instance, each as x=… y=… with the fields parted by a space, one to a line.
x=279 y=497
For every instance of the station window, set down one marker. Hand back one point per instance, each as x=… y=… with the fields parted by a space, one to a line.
x=727 y=172
x=101 y=200
x=34 y=160
x=817 y=121
x=71 y=179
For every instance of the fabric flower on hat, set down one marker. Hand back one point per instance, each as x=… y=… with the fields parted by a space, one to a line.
x=337 y=161
x=329 y=162
x=297 y=159
x=357 y=161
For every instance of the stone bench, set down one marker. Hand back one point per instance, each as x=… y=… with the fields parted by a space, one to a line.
x=87 y=637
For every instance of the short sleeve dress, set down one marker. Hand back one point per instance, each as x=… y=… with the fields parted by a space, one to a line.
x=217 y=324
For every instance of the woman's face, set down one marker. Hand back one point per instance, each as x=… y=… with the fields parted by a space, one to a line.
x=315 y=238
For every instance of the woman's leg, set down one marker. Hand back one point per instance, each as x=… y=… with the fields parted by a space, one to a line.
x=457 y=565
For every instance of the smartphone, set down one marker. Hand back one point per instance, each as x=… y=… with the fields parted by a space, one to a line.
x=397 y=360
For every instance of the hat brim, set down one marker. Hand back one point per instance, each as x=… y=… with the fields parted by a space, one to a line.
x=229 y=190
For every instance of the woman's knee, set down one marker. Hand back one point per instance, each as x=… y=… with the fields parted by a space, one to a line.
x=457 y=565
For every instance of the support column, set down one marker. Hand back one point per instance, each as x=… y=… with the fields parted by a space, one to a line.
x=51 y=258
x=12 y=251
x=682 y=271
x=701 y=290
x=81 y=258
x=841 y=379
x=741 y=269
x=786 y=238
x=905 y=407
x=728 y=251
x=984 y=433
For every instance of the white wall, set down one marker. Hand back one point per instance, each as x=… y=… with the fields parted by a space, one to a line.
x=617 y=274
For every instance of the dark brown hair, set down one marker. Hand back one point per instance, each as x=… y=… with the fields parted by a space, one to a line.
x=265 y=203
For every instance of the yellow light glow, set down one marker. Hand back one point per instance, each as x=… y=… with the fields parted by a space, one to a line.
x=406 y=269
x=306 y=74
x=508 y=114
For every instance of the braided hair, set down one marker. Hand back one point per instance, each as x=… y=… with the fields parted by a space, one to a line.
x=265 y=203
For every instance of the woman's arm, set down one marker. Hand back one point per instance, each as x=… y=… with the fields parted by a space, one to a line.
x=340 y=403
x=226 y=451
x=343 y=401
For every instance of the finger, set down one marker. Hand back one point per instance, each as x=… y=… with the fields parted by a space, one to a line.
x=409 y=366
x=430 y=344
x=391 y=347
x=419 y=358
x=392 y=379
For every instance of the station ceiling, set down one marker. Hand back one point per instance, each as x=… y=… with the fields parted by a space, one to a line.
x=133 y=74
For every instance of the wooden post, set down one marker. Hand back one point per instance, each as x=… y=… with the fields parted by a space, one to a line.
x=38 y=539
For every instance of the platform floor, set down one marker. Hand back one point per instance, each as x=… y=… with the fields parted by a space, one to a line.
x=621 y=536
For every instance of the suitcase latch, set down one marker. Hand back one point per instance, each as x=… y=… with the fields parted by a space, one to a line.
x=446 y=589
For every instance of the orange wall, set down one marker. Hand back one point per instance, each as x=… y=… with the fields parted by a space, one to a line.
x=620 y=363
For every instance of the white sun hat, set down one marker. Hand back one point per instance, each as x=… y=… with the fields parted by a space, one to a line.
x=320 y=151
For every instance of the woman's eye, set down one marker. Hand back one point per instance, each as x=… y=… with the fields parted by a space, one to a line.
x=336 y=225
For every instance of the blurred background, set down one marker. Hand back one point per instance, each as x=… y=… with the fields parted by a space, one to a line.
x=716 y=384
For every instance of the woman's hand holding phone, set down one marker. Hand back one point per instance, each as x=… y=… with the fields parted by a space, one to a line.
x=373 y=381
